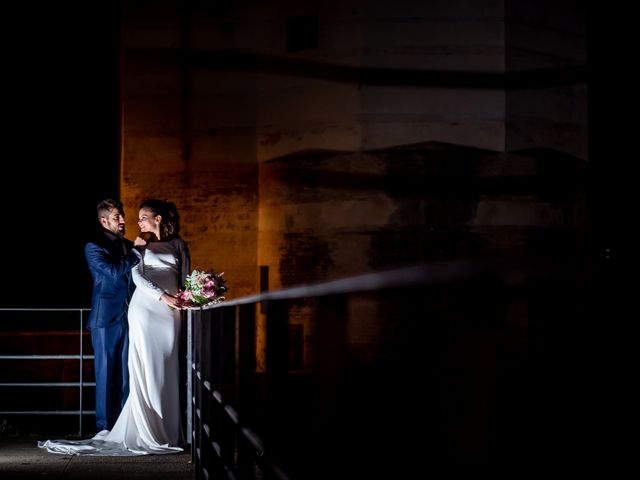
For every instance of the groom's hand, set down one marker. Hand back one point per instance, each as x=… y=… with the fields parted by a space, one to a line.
x=148 y=237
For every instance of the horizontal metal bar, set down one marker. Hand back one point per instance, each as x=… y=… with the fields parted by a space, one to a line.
x=254 y=440
x=49 y=384
x=45 y=357
x=80 y=357
x=232 y=414
x=434 y=274
x=217 y=448
x=47 y=412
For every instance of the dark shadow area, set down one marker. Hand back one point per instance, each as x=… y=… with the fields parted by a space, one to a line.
x=465 y=373
x=61 y=147
x=612 y=330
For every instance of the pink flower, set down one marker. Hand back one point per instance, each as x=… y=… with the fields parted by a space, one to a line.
x=202 y=288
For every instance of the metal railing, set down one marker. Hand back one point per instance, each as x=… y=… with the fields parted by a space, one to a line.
x=81 y=357
x=329 y=380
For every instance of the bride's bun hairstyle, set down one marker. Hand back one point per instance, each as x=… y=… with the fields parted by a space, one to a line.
x=170 y=219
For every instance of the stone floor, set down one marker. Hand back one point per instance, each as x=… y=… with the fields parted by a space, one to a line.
x=20 y=458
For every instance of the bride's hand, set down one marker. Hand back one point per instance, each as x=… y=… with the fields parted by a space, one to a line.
x=171 y=300
x=143 y=238
x=148 y=236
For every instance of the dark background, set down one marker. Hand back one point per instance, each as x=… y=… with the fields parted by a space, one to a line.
x=60 y=157
x=608 y=338
x=60 y=144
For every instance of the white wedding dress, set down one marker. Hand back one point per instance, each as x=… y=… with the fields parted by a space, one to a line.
x=150 y=421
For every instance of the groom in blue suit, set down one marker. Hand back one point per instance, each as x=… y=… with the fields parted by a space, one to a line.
x=110 y=258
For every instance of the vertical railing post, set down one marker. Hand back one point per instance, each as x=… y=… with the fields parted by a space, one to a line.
x=277 y=365
x=189 y=433
x=246 y=382
x=81 y=405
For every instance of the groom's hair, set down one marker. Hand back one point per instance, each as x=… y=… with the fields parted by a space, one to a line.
x=106 y=205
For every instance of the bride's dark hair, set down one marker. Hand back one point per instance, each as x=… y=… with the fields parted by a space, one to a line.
x=170 y=223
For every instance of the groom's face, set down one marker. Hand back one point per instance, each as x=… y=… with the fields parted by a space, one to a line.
x=114 y=222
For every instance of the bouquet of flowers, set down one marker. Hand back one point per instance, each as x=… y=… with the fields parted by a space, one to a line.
x=202 y=288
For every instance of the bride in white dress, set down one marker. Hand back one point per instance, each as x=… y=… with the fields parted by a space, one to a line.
x=150 y=421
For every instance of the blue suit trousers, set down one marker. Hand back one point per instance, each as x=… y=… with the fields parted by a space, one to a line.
x=110 y=348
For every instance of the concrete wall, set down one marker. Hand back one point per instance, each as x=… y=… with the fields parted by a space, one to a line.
x=543 y=36
x=449 y=37
x=190 y=136
x=219 y=115
x=328 y=215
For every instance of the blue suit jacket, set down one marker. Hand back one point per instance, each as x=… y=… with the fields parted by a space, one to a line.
x=110 y=268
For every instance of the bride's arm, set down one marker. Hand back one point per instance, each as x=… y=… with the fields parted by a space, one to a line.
x=144 y=283
x=151 y=288
x=141 y=281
